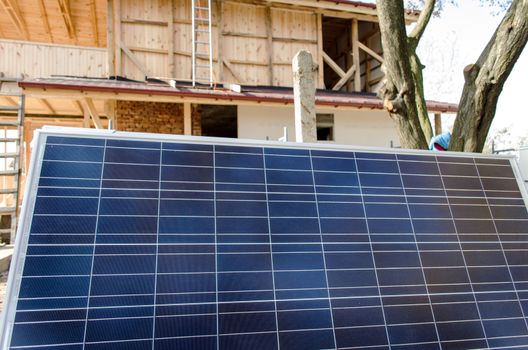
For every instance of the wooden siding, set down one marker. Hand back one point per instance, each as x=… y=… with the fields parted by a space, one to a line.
x=34 y=60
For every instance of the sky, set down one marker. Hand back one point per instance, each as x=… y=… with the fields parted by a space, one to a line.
x=456 y=39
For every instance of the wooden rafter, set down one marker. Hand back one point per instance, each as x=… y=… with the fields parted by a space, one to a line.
x=12 y=9
x=345 y=78
x=93 y=19
x=89 y=106
x=370 y=51
x=230 y=68
x=64 y=6
x=47 y=105
x=44 y=15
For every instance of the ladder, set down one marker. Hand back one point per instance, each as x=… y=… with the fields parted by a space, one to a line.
x=11 y=138
x=202 y=38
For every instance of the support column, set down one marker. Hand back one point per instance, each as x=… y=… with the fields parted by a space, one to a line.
x=304 y=97
x=355 y=55
x=438 y=123
x=187 y=120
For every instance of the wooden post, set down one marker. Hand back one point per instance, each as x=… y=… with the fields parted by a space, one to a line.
x=355 y=55
x=220 y=44
x=170 y=40
x=187 y=119
x=438 y=123
x=304 y=97
x=110 y=43
x=320 y=61
x=117 y=36
x=269 y=44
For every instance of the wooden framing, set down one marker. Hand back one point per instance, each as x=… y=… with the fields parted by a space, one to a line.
x=93 y=19
x=11 y=7
x=64 y=6
x=44 y=15
x=88 y=106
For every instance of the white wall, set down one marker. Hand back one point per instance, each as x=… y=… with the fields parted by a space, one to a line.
x=353 y=127
x=523 y=163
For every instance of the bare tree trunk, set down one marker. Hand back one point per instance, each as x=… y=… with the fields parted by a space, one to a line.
x=400 y=91
x=485 y=79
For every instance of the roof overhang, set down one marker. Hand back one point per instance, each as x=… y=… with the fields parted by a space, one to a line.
x=102 y=89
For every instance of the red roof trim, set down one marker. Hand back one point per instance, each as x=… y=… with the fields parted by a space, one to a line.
x=270 y=95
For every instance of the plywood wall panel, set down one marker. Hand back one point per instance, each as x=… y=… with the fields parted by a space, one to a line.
x=43 y=60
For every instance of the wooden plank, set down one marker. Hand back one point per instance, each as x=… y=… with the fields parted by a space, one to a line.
x=110 y=42
x=47 y=105
x=320 y=61
x=170 y=39
x=145 y=22
x=79 y=107
x=110 y=107
x=117 y=37
x=231 y=69
x=87 y=103
x=344 y=79
x=333 y=65
x=294 y=40
x=370 y=51
x=44 y=16
x=87 y=122
x=187 y=119
x=64 y=7
x=355 y=55
x=15 y=15
x=269 y=43
x=93 y=20
x=244 y=35
x=438 y=123
x=220 y=39
x=133 y=58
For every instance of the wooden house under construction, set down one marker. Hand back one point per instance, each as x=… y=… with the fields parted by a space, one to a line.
x=194 y=67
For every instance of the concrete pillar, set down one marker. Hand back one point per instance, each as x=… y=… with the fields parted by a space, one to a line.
x=304 y=97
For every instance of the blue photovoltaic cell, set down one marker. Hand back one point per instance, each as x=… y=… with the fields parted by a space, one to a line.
x=170 y=245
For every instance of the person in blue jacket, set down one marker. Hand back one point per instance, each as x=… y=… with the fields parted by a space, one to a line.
x=440 y=142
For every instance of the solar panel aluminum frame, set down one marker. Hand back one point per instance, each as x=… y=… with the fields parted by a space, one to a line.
x=38 y=145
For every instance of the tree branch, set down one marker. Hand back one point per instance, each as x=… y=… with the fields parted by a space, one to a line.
x=398 y=93
x=485 y=79
x=422 y=22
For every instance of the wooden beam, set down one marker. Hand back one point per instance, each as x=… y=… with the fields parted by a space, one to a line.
x=133 y=58
x=12 y=9
x=78 y=105
x=93 y=19
x=231 y=69
x=44 y=15
x=355 y=55
x=370 y=51
x=110 y=42
x=320 y=61
x=344 y=79
x=170 y=39
x=88 y=104
x=47 y=105
x=86 y=118
x=438 y=123
x=110 y=107
x=187 y=119
x=333 y=65
x=269 y=43
x=220 y=39
x=117 y=36
x=64 y=7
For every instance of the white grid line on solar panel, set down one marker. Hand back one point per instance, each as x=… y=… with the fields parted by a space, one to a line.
x=94 y=244
x=504 y=254
x=277 y=184
x=216 y=247
x=383 y=313
x=274 y=169
x=377 y=306
x=468 y=275
x=288 y=155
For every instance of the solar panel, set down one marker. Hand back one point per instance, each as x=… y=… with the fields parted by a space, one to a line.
x=135 y=241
